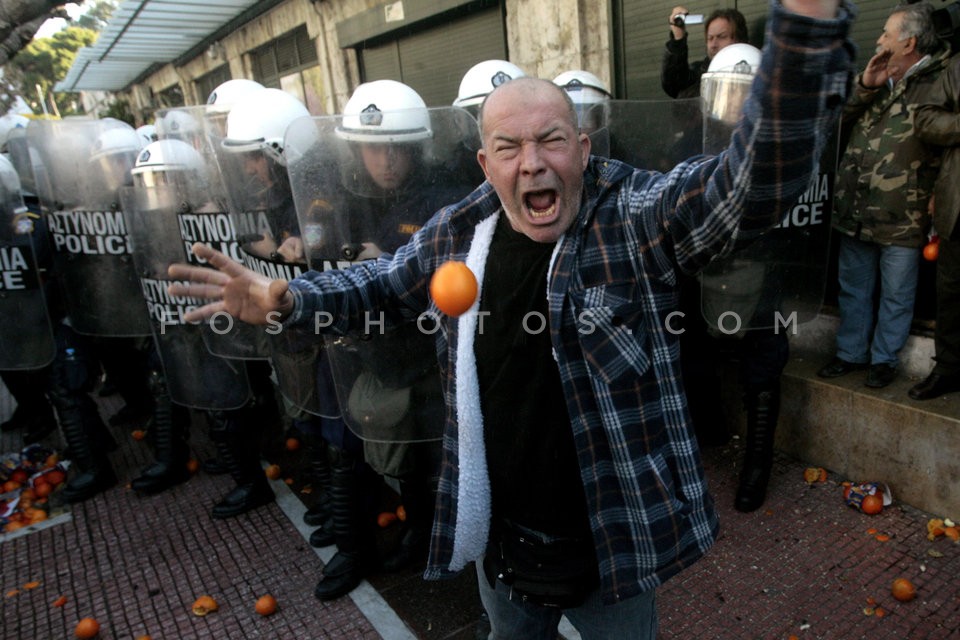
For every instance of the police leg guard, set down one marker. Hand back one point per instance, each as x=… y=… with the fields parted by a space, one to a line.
x=170 y=426
x=237 y=440
x=416 y=495
x=763 y=410
x=79 y=420
x=356 y=549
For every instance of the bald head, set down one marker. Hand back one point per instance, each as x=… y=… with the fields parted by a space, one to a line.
x=513 y=91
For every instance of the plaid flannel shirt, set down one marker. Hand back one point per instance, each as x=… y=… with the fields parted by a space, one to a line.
x=612 y=287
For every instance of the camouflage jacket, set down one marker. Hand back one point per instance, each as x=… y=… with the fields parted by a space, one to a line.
x=886 y=174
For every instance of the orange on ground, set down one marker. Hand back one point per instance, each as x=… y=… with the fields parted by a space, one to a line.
x=55 y=477
x=872 y=504
x=204 y=605
x=453 y=288
x=952 y=532
x=59 y=602
x=33 y=584
x=386 y=518
x=903 y=590
x=273 y=471
x=266 y=605
x=87 y=628
x=138 y=434
x=292 y=444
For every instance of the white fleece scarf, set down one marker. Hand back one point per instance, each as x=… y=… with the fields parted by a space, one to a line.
x=473 y=486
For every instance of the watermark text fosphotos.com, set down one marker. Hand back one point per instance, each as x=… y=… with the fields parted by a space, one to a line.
x=533 y=323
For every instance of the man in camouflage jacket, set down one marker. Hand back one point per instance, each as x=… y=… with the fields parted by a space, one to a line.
x=884 y=181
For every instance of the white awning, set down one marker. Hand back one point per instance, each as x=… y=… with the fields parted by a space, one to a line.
x=141 y=33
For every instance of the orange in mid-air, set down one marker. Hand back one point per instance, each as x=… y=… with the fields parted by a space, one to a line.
x=903 y=590
x=266 y=605
x=931 y=251
x=87 y=628
x=453 y=288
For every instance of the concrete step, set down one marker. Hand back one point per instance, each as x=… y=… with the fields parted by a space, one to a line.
x=864 y=434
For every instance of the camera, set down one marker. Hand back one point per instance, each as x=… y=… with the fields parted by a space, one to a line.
x=682 y=19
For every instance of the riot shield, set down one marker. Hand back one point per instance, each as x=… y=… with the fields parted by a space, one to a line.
x=27 y=339
x=224 y=336
x=358 y=194
x=261 y=208
x=155 y=214
x=779 y=280
x=86 y=162
x=654 y=134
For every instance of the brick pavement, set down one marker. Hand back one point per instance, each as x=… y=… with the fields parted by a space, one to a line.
x=804 y=565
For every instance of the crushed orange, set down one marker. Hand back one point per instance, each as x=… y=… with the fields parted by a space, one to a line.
x=204 y=605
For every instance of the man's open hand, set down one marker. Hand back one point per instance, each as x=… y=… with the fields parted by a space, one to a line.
x=233 y=288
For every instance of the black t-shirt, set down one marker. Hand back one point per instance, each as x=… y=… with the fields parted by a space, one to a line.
x=534 y=474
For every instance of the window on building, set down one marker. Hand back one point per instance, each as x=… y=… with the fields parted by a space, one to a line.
x=290 y=63
x=207 y=83
x=172 y=96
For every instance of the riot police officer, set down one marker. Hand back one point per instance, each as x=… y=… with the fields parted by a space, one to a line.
x=369 y=181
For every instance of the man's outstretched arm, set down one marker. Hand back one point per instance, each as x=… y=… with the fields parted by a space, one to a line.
x=233 y=288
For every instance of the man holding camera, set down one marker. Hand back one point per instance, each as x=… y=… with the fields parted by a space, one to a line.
x=681 y=79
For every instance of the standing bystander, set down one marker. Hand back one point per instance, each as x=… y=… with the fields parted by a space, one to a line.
x=937 y=121
x=884 y=181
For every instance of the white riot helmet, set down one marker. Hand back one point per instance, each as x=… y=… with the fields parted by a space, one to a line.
x=260 y=121
x=115 y=151
x=148 y=132
x=8 y=123
x=228 y=94
x=10 y=181
x=584 y=87
x=726 y=84
x=385 y=111
x=179 y=124
x=166 y=161
x=482 y=78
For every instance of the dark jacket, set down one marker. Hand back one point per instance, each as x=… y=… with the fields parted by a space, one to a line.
x=937 y=121
x=678 y=78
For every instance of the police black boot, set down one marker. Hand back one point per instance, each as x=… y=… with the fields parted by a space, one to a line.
x=416 y=495
x=763 y=410
x=95 y=475
x=355 y=548
x=237 y=446
x=320 y=512
x=170 y=426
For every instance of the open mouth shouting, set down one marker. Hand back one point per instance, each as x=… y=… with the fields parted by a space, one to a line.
x=542 y=205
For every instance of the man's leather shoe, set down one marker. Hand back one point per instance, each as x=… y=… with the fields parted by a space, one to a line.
x=880 y=375
x=840 y=367
x=935 y=385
